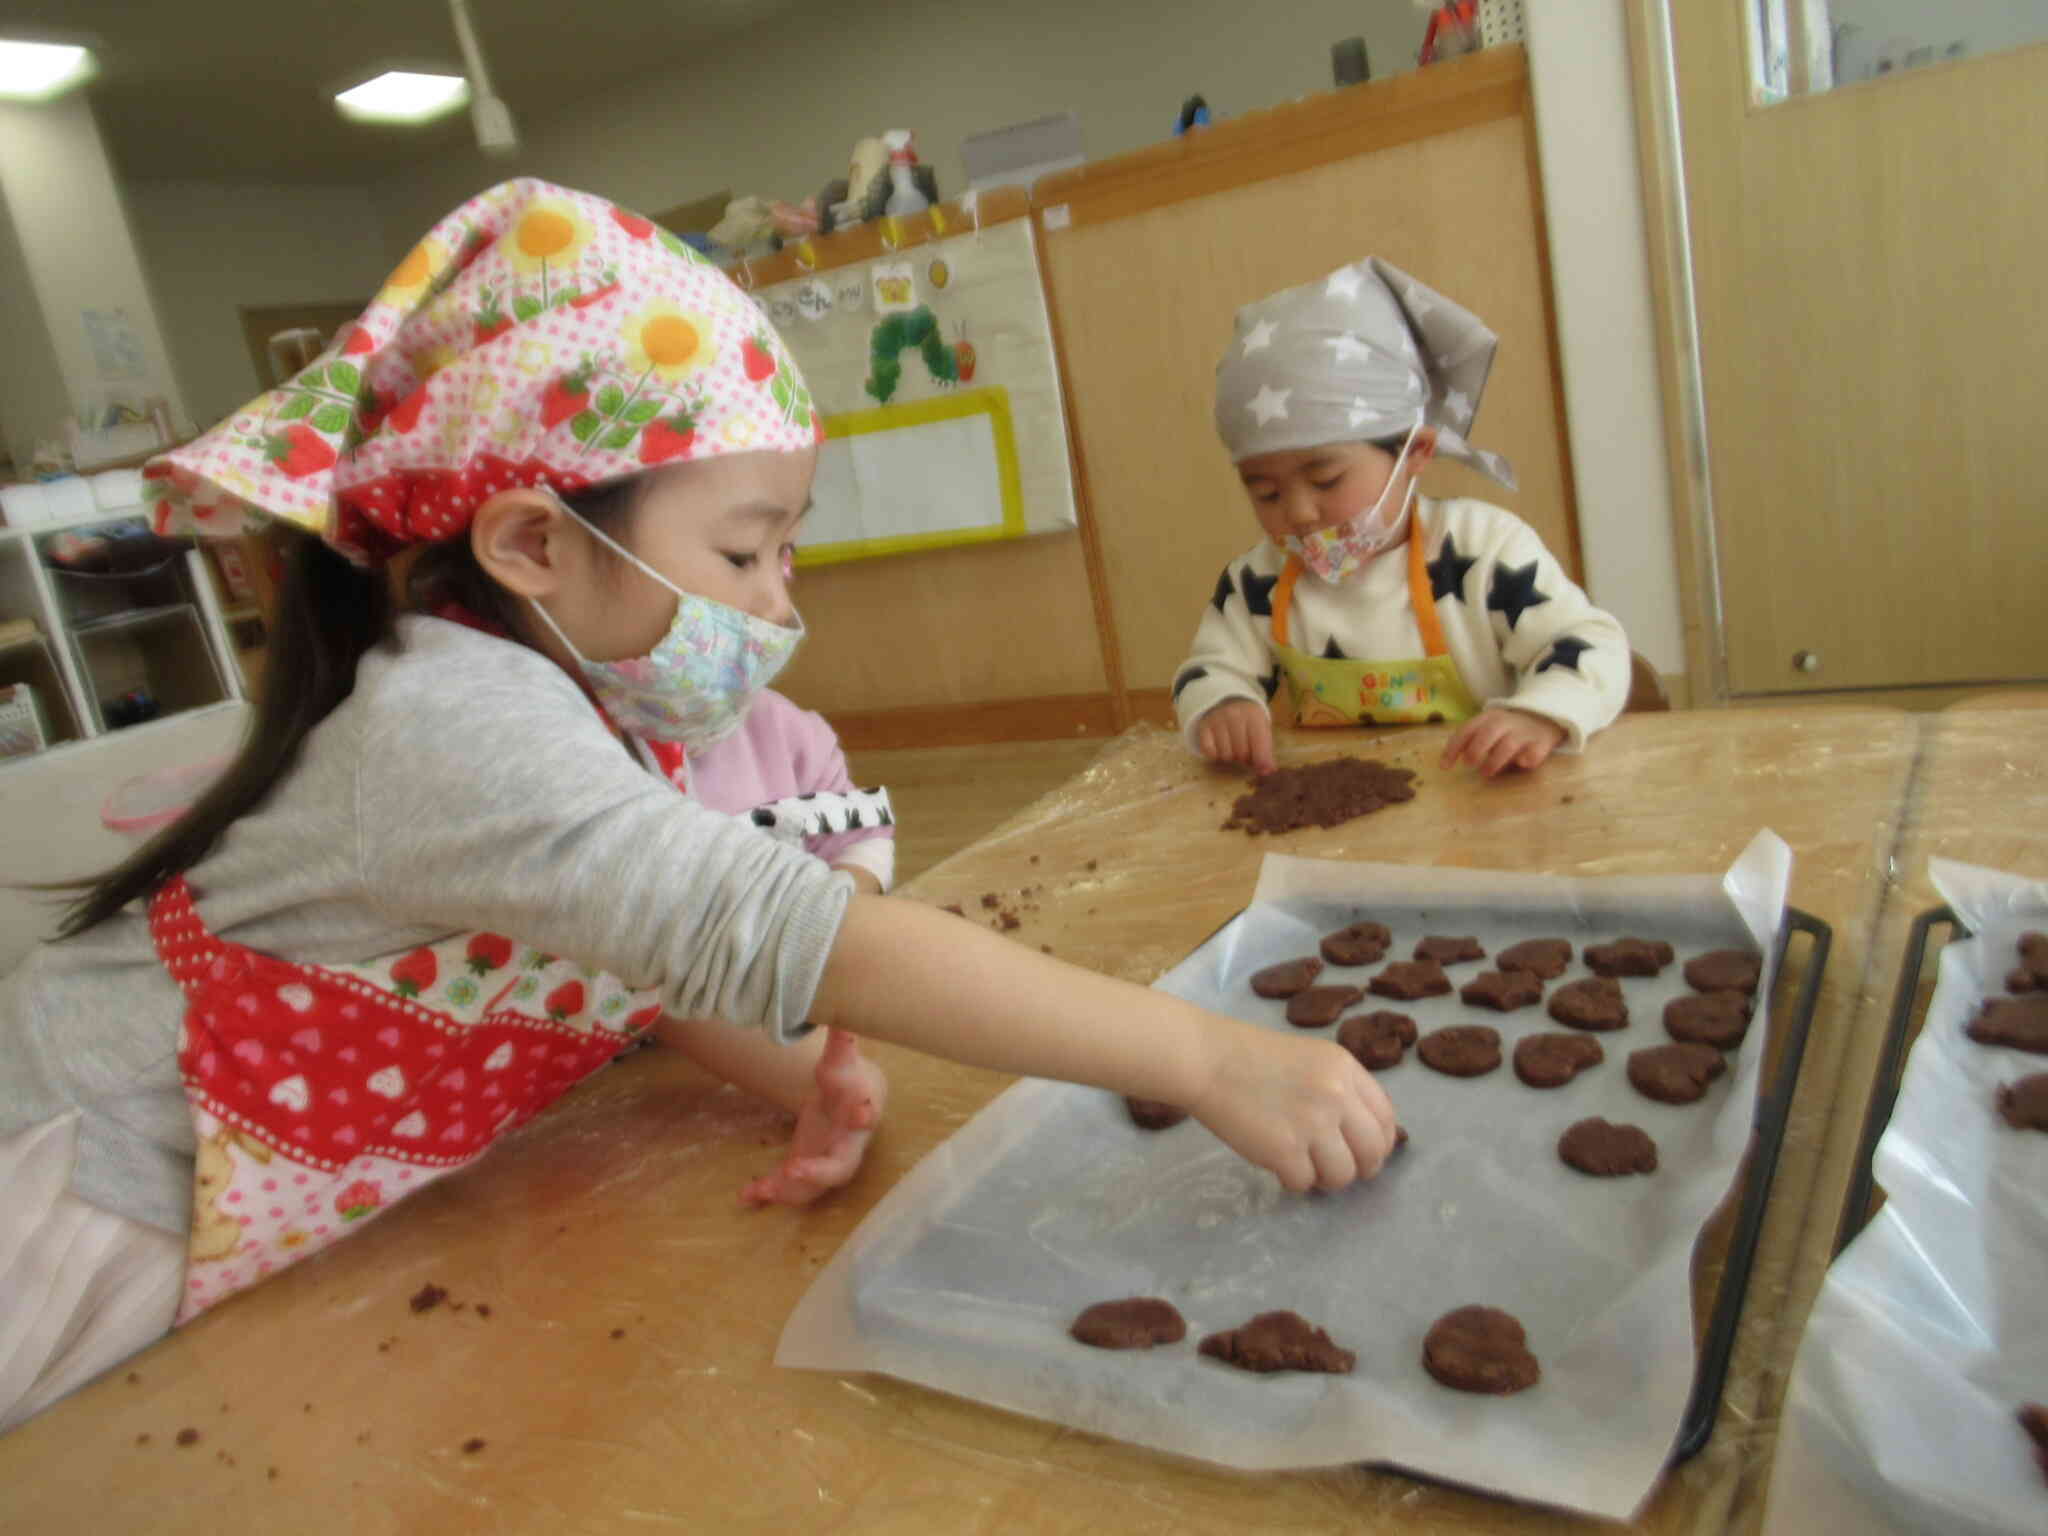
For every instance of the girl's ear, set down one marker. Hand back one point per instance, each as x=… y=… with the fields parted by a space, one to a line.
x=521 y=540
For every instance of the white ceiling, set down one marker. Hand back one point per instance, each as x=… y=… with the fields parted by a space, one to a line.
x=241 y=90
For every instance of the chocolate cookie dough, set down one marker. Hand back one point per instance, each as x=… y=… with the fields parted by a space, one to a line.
x=2033 y=950
x=1502 y=991
x=1320 y=1005
x=1674 y=1074
x=1591 y=1002
x=1138 y=1322
x=1154 y=1114
x=2033 y=1419
x=1551 y=1061
x=1379 y=1040
x=1606 y=1150
x=1628 y=957
x=1279 y=1341
x=2020 y=1022
x=1547 y=958
x=1480 y=1349
x=1725 y=970
x=2025 y=1103
x=1450 y=950
x=1719 y=1019
x=1359 y=944
x=1461 y=1050
x=2020 y=979
x=1410 y=979
x=1320 y=795
x=1288 y=977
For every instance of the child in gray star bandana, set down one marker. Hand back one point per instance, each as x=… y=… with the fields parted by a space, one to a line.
x=1378 y=605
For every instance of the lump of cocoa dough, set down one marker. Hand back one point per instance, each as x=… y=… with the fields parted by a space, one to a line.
x=1288 y=977
x=1450 y=950
x=1546 y=958
x=1725 y=970
x=1628 y=957
x=1551 y=1061
x=2033 y=952
x=1154 y=1114
x=2020 y=1022
x=1138 y=1322
x=2024 y=1104
x=1462 y=1050
x=1319 y=1006
x=1502 y=991
x=1674 y=1074
x=1480 y=1349
x=1719 y=1019
x=1359 y=944
x=1279 y=1341
x=1591 y=1002
x=1320 y=795
x=1606 y=1150
x=1378 y=1039
x=1410 y=979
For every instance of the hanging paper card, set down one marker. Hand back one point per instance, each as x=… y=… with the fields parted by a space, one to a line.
x=895 y=287
x=814 y=299
x=849 y=288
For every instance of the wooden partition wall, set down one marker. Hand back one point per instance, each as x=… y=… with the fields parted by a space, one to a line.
x=1146 y=258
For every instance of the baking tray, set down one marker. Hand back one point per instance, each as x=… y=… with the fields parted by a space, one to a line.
x=1900 y=1029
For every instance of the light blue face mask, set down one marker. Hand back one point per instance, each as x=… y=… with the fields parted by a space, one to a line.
x=696 y=685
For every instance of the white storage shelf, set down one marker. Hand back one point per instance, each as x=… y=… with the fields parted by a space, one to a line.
x=101 y=643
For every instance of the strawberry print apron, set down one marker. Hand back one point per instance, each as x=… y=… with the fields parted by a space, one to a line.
x=323 y=1095
x=1422 y=690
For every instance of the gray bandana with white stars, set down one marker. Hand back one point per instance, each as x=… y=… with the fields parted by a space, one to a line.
x=1362 y=355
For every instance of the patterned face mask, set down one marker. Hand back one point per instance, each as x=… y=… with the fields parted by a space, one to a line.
x=1340 y=553
x=696 y=685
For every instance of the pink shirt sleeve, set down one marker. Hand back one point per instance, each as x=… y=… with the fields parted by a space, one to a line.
x=779 y=750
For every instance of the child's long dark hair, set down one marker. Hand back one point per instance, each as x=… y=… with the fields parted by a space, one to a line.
x=329 y=613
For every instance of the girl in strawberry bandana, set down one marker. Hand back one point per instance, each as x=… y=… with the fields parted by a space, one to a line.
x=461 y=861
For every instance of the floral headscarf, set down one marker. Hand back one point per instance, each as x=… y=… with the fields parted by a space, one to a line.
x=536 y=336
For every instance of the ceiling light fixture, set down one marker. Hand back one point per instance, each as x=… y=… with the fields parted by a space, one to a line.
x=402 y=96
x=38 y=71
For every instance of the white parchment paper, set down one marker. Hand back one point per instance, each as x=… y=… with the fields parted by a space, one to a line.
x=1932 y=1327
x=967 y=1275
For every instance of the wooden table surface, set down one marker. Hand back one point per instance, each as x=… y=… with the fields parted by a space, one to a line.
x=622 y=1379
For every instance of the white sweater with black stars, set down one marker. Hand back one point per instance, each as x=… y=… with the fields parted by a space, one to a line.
x=1521 y=631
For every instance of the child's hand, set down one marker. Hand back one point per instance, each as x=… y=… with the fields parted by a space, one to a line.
x=1238 y=731
x=1303 y=1109
x=832 y=1128
x=1496 y=739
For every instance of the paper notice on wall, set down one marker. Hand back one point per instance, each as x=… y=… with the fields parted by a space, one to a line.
x=118 y=356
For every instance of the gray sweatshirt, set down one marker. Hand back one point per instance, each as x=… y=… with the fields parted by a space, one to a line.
x=465 y=784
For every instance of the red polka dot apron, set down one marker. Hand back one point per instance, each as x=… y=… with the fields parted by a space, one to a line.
x=1420 y=690
x=323 y=1095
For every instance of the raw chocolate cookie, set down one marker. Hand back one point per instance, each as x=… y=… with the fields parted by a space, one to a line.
x=1450 y=951
x=1279 y=1341
x=1320 y=1005
x=1319 y=795
x=2025 y=1103
x=1551 y=1061
x=1724 y=970
x=1410 y=979
x=1378 y=1040
x=2033 y=1419
x=2020 y=979
x=1136 y=1323
x=1628 y=957
x=1719 y=1019
x=2020 y=1022
x=1607 y=1150
x=1360 y=944
x=1154 y=1114
x=1548 y=958
x=1480 y=1349
x=1462 y=1050
x=1674 y=1074
x=2033 y=948
x=1502 y=991
x=1591 y=1002
x=1288 y=977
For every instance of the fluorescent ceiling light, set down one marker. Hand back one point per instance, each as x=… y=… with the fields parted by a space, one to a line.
x=397 y=96
x=38 y=71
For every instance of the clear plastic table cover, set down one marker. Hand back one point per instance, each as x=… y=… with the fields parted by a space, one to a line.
x=966 y=1276
x=1931 y=1329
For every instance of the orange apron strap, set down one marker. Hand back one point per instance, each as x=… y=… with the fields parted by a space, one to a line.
x=1423 y=597
x=1283 y=598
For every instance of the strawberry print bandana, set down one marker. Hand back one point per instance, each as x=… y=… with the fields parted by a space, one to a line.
x=535 y=336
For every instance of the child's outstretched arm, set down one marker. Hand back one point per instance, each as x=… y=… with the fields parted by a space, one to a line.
x=1302 y=1107
x=1221 y=692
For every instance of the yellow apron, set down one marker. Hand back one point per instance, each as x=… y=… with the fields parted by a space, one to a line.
x=1425 y=690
